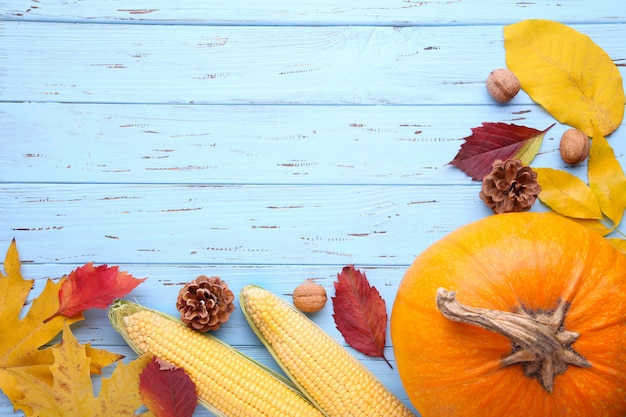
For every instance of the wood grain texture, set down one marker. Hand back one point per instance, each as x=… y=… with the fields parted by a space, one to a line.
x=111 y=63
x=263 y=143
x=222 y=224
x=319 y=12
x=164 y=282
x=185 y=144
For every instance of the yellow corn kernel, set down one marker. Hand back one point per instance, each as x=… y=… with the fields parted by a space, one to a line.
x=325 y=371
x=227 y=382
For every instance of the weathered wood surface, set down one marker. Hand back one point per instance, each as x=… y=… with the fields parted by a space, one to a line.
x=265 y=144
x=320 y=12
x=260 y=144
x=310 y=65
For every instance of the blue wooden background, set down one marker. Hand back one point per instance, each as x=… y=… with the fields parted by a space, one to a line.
x=264 y=142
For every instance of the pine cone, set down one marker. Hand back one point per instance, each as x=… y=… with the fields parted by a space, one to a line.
x=510 y=187
x=205 y=303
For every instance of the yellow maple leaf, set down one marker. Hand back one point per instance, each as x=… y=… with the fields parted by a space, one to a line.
x=566 y=73
x=23 y=336
x=71 y=392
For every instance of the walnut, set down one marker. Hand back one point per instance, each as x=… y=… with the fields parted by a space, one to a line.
x=309 y=297
x=205 y=303
x=502 y=85
x=510 y=187
x=574 y=146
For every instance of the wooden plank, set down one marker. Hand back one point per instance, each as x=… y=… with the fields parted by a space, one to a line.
x=247 y=224
x=389 y=376
x=319 y=12
x=164 y=281
x=261 y=65
x=250 y=144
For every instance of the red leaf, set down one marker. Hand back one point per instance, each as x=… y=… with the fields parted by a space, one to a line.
x=93 y=287
x=494 y=141
x=360 y=312
x=166 y=390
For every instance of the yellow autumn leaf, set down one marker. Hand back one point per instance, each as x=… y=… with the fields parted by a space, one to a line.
x=100 y=358
x=567 y=73
x=606 y=178
x=567 y=194
x=70 y=394
x=23 y=337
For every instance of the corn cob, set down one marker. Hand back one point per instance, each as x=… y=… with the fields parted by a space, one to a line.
x=228 y=383
x=323 y=370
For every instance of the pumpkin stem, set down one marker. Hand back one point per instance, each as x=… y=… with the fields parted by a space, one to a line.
x=540 y=341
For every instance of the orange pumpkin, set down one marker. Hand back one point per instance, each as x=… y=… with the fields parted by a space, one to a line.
x=518 y=314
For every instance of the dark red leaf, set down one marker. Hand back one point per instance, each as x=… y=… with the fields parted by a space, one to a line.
x=93 y=287
x=494 y=141
x=166 y=390
x=360 y=312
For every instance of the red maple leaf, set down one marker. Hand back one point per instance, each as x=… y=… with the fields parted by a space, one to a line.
x=166 y=390
x=493 y=141
x=360 y=312
x=92 y=287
